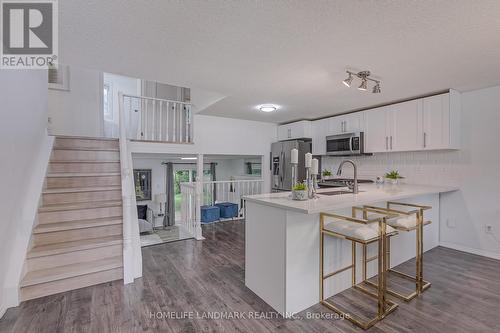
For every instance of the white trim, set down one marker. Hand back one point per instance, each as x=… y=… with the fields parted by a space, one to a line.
x=467 y=249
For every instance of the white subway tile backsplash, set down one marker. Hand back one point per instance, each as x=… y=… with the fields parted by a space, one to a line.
x=427 y=167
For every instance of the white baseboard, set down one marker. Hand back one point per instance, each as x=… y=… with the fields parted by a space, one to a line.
x=462 y=248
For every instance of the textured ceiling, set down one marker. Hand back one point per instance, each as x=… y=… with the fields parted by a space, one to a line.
x=291 y=53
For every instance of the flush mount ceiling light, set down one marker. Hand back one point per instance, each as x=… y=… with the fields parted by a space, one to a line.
x=268 y=108
x=364 y=76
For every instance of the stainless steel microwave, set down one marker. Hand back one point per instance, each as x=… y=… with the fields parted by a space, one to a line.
x=345 y=144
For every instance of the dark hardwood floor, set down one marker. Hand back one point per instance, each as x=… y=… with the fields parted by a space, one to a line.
x=199 y=278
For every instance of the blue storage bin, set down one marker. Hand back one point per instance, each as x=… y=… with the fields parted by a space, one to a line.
x=227 y=210
x=210 y=214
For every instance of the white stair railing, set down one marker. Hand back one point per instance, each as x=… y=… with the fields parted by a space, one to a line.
x=190 y=210
x=231 y=191
x=132 y=257
x=158 y=120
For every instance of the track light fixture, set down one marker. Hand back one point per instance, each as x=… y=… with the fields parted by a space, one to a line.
x=348 y=81
x=364 y=76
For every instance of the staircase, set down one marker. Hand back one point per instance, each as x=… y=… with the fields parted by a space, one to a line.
x=78 y=239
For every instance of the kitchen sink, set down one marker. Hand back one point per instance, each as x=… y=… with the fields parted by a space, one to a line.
x=339 y=192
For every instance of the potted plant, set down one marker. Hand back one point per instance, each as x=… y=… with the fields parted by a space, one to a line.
x=393 y=177
x=299 y=192
x=326 y=174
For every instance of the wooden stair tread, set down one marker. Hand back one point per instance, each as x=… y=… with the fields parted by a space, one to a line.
x=82 y=174
x=87 y=148
x=82 y=189
x=68 y=271
x=85 y=161
x=79 y=205
x=80 y=224
x=65 y=247
x=85 y=138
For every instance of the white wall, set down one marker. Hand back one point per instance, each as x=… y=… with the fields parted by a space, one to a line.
x=475 y=169
x=77 y=112
x=24 y=153
x=222 y=136
x=126 y=85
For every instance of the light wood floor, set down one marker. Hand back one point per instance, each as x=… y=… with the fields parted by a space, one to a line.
x=209 y=276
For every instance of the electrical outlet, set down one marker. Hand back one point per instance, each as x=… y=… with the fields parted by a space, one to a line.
x=488 y=229
x=451 y=223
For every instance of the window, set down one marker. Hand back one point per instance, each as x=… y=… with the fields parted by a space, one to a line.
x=254 y=169
x=107 y=101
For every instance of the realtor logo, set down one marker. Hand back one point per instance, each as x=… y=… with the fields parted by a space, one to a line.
x=29 y=34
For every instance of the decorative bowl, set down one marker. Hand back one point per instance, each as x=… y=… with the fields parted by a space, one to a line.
x=300 y=195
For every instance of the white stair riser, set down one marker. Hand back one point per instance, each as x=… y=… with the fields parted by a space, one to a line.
x=79 y=214
x=83 y=143
x=61 y=198
x=62 y=167
x=91 y=181
x=69 y=258
x=84 y=155
x=77 y=282
x=76 y=234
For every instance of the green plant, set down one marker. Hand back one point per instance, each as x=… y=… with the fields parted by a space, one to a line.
x=394 y=174
x=327 y=173
x=300 y=187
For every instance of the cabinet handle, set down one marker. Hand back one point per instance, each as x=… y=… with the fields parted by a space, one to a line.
x=391 y=142
x=425 y=140
x=386 y=143
x=344 y=125
x=289 y=133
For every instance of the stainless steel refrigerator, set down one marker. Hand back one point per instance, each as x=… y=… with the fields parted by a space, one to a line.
x=281 y=167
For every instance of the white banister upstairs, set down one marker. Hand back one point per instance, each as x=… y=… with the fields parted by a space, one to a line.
x=158 y=120
x=132 y=257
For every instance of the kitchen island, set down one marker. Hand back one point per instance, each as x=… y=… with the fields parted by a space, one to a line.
x=282 y=241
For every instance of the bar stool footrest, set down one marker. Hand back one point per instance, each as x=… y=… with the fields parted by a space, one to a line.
x=364 y=324
x=406 y=297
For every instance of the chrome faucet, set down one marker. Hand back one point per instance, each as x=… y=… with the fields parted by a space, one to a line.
x=355 y=188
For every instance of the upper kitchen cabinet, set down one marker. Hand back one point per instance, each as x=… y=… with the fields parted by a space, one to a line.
x=404 y=126
x=348 y=123
x=297 y=130
x=319 y=134
x=377 y=129
x=421 y=124
x=441 y=121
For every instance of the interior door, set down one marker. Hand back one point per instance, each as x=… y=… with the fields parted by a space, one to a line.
x=405 y=126
x=376 y=133
x=436 y=125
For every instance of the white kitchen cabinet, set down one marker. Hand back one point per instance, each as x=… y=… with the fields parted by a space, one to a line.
x=404 y=129
x=441 y=121
x=421 y=124
x=319 y=134
x=297 y=130
x=377 y=129
x=348 y=123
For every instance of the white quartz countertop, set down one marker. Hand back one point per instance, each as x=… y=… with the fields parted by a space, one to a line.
x=368 y=193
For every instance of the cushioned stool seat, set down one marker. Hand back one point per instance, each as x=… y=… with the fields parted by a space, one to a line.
x=363 y=232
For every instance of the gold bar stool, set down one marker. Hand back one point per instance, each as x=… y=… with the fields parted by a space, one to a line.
x=358 y=231
x=407 y=220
